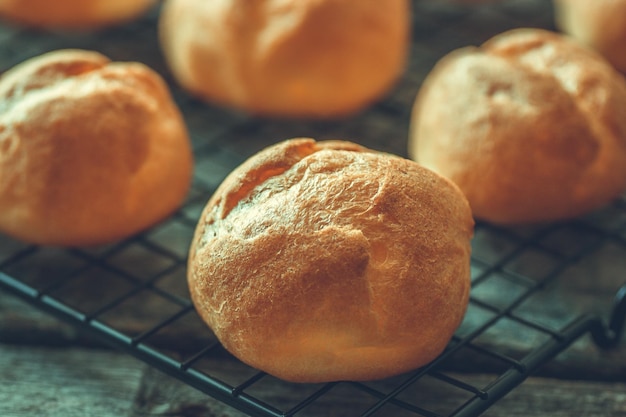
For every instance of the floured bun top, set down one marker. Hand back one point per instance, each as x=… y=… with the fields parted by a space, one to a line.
x=318 y=261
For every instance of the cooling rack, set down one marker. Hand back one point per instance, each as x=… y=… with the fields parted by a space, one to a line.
x=132 y=294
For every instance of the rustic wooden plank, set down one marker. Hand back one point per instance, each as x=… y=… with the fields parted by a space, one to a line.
x=66 y=382
x=552 y=398
x=80 y=382
x=163 y=396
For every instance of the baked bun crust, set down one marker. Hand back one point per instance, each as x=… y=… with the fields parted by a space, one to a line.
x=90 y=151
x=600 y=24
x=286 y=58
x=72 y=14
x=320 y=261
x=531 y=126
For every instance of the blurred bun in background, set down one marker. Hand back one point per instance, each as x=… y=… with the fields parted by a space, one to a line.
x=287 y=58
x=72 y=14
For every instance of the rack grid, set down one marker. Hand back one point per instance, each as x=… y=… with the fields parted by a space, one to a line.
x=133 y=296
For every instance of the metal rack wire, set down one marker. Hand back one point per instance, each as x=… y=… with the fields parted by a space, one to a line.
x=59 y=298
x=132 y=294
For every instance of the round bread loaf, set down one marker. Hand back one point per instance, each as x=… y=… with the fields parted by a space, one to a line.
x=531 y=126
x=600 y=24
x=72 y=14
x=287 y=58
x=320 y=261
x=90 y=151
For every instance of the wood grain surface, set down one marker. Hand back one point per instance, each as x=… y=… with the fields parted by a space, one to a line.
x=552 y=274
x=83 y=382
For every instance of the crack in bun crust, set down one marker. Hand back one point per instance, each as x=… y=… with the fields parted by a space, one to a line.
x=318 y=261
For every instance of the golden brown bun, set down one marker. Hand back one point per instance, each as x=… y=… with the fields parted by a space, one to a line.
x=320 y=261
x=600 y=24
x=90 y=151
x=286 y=58
x=72 y=14
x=467 y=2
x=531 y=127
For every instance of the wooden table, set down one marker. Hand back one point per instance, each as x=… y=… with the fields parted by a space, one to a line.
x=51 y=368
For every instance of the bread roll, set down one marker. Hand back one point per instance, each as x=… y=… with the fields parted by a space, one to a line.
x=72 y=14
x=467 y=2
x=286 y=58
x=600 y=24
x=321 y=261
x=531 y=126
x=90 y=151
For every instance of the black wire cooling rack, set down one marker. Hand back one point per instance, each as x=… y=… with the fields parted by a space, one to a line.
x=133 y=294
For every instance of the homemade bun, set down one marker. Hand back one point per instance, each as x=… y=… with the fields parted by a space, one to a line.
x=90 y=151
x=320 y=261
x=287 y=58
x=531 y=126
x=467 y=2
x=72 y=14
x=600 y=24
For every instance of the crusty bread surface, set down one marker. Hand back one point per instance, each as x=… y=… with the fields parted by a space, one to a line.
x=287 y=58
x=90 y=151
x=600 y=24
x=72 y=14
x=531 y=126
x=320 y=261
